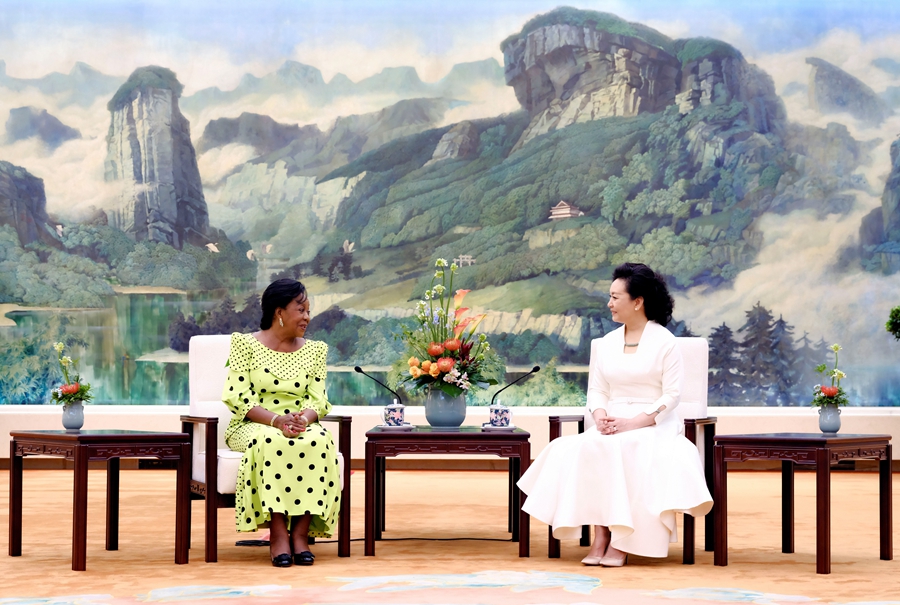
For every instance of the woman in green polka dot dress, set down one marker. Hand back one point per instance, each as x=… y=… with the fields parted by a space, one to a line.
x=288 y=478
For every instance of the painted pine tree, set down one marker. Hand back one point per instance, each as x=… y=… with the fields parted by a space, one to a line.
x=786 y=369
x=724 y=374
x=806 y=357
x=756 y=352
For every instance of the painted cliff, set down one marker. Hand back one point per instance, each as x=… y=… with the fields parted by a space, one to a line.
x=571 y=66
x=23 y=206
x=149 y=152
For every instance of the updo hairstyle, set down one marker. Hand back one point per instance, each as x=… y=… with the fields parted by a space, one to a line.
x=278 y=295
x=643 y=282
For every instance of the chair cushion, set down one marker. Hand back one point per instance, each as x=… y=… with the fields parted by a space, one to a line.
x=226 y=472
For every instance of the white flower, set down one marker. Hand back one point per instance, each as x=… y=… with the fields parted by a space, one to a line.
x=440 y=263
x=835 y=347
x=439 y=274
x=453 y=267
x=59 y=347
x=427 y=294
x=66 y=360
x=839 y=375
x=439 y=289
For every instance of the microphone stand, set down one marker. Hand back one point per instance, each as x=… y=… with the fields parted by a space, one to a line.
x=534 y=370
x=359 y=370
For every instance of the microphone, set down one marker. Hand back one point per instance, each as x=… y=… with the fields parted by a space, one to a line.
x=534 y=370
x=359 y=370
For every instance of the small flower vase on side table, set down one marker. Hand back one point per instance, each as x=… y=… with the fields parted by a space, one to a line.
x=829 y=418
x=73 y=416
x=444 y=411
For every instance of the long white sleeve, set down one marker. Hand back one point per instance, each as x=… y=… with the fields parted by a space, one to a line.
x=598 y=386
x=672 y=380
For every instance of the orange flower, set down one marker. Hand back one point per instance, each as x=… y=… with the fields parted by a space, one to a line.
x=69 y=389
x=434 y=371
x=452 y=344
x=460 y=312
x=829 y=391
x=461 y=326
x=426 y=365
x=413 y=362
x=415 y=372
x=435 y=349
x=460 y=295
x=445 y=364
x=477 y=320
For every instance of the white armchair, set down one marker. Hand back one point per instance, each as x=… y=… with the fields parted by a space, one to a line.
x=214 y=477
x=697 y=425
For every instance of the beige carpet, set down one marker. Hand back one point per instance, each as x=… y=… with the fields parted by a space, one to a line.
x=448 y=504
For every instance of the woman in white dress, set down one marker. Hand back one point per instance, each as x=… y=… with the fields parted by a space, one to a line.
x=628 y=475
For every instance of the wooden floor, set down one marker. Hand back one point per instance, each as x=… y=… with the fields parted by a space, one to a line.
x=442 y=504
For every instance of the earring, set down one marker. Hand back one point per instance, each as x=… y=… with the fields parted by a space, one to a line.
x=636 y=308
x=281 y=323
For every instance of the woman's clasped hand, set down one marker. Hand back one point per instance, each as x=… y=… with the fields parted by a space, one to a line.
x=291 y=424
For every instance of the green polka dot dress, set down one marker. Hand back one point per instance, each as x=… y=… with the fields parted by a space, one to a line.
x=293 y=476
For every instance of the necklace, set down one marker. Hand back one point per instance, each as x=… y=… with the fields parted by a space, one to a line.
x=632 y=345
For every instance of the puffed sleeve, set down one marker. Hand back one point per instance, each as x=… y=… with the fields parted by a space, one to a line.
x=238 y=394
x=672 y=380
x=598 y=386
x=318 y=399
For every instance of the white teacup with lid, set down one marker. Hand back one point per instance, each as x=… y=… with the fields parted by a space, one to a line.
x=394 y=414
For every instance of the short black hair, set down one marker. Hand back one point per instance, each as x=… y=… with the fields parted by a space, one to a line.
x=643 y=282
x=278 y=295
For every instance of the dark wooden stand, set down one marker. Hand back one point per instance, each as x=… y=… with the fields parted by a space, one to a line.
x=381 y=444
x=817 y=449
x=690 y=431
x=84 y=446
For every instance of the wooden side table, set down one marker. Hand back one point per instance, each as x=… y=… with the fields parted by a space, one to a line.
x=817 y=449
x=381 y=444
x=109 y=445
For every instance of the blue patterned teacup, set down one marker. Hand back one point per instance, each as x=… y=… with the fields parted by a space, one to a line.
x=499 y=415
x=393 y=414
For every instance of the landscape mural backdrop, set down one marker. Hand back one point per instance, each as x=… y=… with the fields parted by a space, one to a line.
x=162 y=162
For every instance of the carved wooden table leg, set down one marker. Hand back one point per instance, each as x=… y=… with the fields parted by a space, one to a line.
x=524 y=518
x=15 y=501
x=112 y=504
x=787 y=506
x=182 y=505
x=885 y=522
x=720 y=472
x=823 y=511
x=79 y=509
x=371 y=517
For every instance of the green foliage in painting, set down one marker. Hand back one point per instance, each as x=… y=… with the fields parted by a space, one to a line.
x=61 y=280
x=606 y=22
x=151 y=76
x=547 y=387
x=692 y=49
x=30 y=370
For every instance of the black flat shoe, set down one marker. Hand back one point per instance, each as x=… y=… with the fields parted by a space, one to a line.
x=304 y=558
x=282 y=560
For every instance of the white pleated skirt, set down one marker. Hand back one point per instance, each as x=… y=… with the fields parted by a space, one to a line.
x=632 y=482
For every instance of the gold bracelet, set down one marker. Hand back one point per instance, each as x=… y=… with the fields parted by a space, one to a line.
x=272 y=421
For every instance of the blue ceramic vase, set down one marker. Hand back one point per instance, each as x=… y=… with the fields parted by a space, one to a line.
x=829 y=418
x=444 y=411
x=73 y=416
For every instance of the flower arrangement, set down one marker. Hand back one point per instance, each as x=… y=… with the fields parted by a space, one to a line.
x=73 y=390
x=834 y=394
x=443 y=351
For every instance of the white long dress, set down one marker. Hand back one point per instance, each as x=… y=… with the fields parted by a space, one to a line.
x=635 y=481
